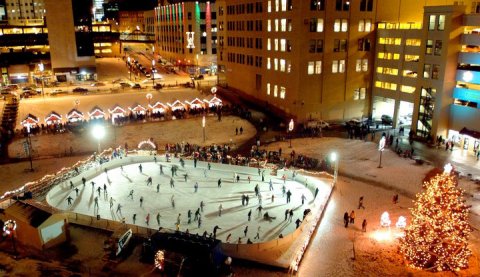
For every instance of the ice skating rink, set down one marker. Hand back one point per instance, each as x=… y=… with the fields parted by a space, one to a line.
x=234 y=218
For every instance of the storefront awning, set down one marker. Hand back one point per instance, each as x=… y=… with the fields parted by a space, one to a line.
x=471 y=133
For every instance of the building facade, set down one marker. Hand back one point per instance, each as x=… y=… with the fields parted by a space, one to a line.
x=186 y=35
x=25 y=12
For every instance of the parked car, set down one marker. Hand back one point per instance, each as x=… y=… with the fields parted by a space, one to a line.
x=136 y=86
x=56 y=91
x=97 y=84
x=387 y=120
x=79 y=89
x=125 y=85
x=158 y=86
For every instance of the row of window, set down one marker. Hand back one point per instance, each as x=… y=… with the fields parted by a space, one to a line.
x=314 y=67
x=243 y=59
x=242 y=8
x=436 y=22
x=282 y=45
x=281 y=65
x=240 y=42
x=434 y=49
x=341 y=5
x=339 y=45
x=281 y=25
x=279 y=5
x=276 y=90
x=393 y=86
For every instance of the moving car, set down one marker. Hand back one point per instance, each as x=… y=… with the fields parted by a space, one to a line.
x=387 y=120
x=79 y=89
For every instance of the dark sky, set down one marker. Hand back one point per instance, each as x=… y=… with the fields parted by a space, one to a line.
x=136 y=4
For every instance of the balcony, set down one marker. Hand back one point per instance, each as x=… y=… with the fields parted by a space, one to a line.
x=466 y=94
x=469 y=58
x=468 y=76
x=471 y=39
x=464 y=116
x=471 y=19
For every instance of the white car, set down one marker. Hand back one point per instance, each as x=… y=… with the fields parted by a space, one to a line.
x=56 y=91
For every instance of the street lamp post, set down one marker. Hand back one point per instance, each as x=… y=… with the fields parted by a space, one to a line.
x=153 y=73
x=203 y=126
x=29 y=147
x=129 y=68
x=334 y=159
x=98 y=132
x=41 y=67
x=290 y=129
x=381 y=147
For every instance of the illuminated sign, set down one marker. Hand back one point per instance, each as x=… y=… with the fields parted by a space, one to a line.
x=467 y=76
x=190 y=37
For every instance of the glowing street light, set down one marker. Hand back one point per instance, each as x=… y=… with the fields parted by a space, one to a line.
x=334 y=159
x=153 y=72
x=41 y=67
x=129 y=68
x=291 y=125
x=98 y=132
x=203 y=126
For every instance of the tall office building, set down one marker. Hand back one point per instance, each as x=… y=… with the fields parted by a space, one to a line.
x=98 y=11
x=25 y=12
x=69 y=25
x=186 y=35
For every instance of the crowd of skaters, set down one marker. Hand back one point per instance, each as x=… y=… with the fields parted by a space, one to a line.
x=116 y=204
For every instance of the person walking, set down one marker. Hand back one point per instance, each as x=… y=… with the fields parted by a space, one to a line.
x=141 y=201
x=297 y=223
x=346 y=218
x=249 y=179
x=245 y=231
x=195 y=186
x=290 y=213
x=258 y=233
x=315 y=194
x=197 y=214
x=241 y=130
x=96 y=202
x=111 y=202
x=158 y=219
x=215 y=231
x=247 y=198
x=352 y=217
x=395 y=199
x=119 y=208
x=130 y=194
x=201 y=206
x=178 y=218
x=360 y=203
x=134 y=218
x=84 y=181
x=172 y=201
x=140 y=168
x=270 y=187
x=303 y=198
x=99 y=189
x=286 y=213
x=284 y=190
x=209 y=166
x=238 y=177
x=161 y=169
x=199 y=221
x=289 y=194
x=228 y=237
x=249 y=214
x=236 y=131
x=71 y=185
x=172 y=183
x=189 y=216
x=220 y=208
x=158 y=188
x=273 y=197
x=149 y=181
x=219 y=183
x=76 y=191
x=364 y=225
x=243 y=199
x=257 y=190
x=259 y=208
x=69 y=200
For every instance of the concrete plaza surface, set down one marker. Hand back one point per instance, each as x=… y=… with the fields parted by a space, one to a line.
x=234 y=217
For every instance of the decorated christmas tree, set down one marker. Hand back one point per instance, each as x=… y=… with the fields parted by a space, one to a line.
x=437 y=237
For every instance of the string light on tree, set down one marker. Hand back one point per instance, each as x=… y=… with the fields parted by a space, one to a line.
x=437 y=237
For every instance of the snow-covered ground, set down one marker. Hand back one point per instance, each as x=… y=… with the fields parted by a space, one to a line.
x=233 y=219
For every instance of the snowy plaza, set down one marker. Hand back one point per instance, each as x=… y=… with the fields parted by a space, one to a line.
x=123 y=176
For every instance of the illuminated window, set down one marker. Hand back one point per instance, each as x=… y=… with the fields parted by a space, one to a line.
x=282 y=65
x=412 y=58
x=276 y=25
x=318 y=67
x=289 y=67
x=431 y=22
x=284 y=5
x=275 y=43
x=269 y=25
x=311 y=68
x=269 y=6
x=269 y=46
x=283 y=91
x=275 y=91
x=277 y=8
x=268 y=86
x=441 y=22
x=426 y=71
x=358 y=66
x=344 y=25
x=283 y=25
x=341 y=66
x=386 y=85
x=407 y=89
x=319 y=24
x=429 y=47
x=368 y=25
x=268 y=63
x=283 y=45
x=365 y=65
x=336 y=25
x=438 y=48
x=335 y=66
x=275 y=64
x=361 y=25
x=413 y=42
x=409 y=73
